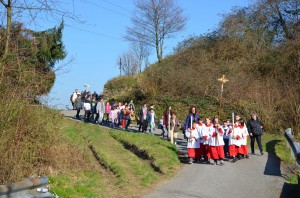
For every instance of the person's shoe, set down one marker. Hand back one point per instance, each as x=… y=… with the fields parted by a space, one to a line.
x=221 y=163
x=234 y=159
x=248 y=157
x=191 y=161
x=252 y=153
x=212 y=162
x=262 y=153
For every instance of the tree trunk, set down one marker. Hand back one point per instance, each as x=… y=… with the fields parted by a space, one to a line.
x=8 y=28
x=283 y=24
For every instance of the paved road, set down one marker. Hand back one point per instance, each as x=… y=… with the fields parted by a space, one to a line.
x=258 y=177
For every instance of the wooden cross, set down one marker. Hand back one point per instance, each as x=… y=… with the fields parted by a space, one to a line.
x=223 y=80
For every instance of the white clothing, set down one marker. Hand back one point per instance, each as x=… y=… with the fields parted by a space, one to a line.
x=161 y=122
x=206 y=133
x=216 y=140
x=199 y=129
x=87 y=106
x=235 y=136
x=195 y=141
x=244 y=132
x=74 y=96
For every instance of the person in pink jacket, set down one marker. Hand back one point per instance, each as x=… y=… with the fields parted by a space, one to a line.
x=107 y=111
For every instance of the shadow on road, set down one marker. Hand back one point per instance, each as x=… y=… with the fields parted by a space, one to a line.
x=273 y=162
x=273 y=168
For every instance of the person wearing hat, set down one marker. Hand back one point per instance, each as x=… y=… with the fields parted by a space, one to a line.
x=255 y=129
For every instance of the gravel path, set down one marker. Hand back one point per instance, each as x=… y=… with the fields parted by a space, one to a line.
x=258 y=177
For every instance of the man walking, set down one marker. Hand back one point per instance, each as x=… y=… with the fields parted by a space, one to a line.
x=100 y=111
x=255 y=129
x=73 y=98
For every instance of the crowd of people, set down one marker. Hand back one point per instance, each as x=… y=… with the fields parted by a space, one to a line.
x=208 y=140
x=211 y=141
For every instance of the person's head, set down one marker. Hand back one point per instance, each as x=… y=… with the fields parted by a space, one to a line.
x=94 y=99
x=216 y=120
x=95 y=92
x=169 y=108
x=131 y=101
x=200 y=121
x=173 y=115
x=151 y=110
x=241 y=122
x=237 y=117
x=194 y=124
x=254 y=116
x=225 y=123
x=145 y=105
x=126 y=107
x=193 y=110
x=207 y=120
x=107 y=103
x=76 y=90
x=228 y=121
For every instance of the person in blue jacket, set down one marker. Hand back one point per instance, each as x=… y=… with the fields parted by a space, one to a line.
x=191 y=117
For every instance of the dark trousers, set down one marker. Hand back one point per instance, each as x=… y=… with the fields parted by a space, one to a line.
x=226 y=147
x=107 y=117
x=77 y=114
x=87 y=115
x=128 y=123
x=258 y=140
x=97 y=117
x=145 y=125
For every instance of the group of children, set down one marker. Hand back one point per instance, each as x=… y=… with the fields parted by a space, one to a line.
x=211 y=142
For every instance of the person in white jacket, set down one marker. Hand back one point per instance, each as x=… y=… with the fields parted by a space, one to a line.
x=206 y=133
x=234 y=141
x=193 y=144
x=216 y=144
x=244 y=135
x=199 y=128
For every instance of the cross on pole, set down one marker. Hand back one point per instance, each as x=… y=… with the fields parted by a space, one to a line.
x=86 y=86
x=222 y=80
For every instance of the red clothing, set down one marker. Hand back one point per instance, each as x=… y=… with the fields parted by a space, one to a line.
x=194 y=153
x=233 y=150
x=243 y=150
x=217 y=152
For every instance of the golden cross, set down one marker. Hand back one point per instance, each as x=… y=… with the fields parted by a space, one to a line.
x=223 y=79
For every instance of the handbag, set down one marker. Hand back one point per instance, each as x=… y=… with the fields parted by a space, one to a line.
x=132 y=116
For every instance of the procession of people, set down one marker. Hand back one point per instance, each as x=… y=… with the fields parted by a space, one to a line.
x=208 y=140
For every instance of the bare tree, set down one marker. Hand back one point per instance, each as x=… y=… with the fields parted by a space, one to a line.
x=128 y=63
x=154 y=21
x=141 y=52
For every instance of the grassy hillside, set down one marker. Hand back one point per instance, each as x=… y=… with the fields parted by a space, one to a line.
x=261 y=63
x=114 y=163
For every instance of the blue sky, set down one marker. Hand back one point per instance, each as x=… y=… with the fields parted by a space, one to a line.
x=96 y=44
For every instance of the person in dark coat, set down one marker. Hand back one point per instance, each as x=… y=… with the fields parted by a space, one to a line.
x=193 y=116
x=255 y=128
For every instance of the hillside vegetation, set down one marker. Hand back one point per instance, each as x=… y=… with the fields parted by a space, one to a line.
x=256 y=47
x=113 y=163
